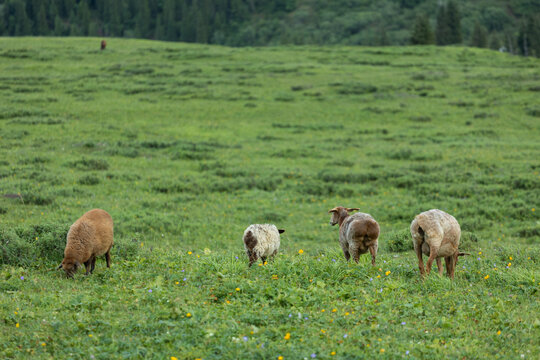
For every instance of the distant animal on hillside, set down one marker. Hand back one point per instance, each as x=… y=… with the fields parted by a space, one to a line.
x=261 y=241
x=358 y=233
x=103 y=44
x=436 y=234
x=90 y=236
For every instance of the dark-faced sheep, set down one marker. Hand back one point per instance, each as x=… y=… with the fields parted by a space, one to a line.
x=358 y=233
x=90 y=236
x=103 y=44
x=436 y=234
x=261 y=241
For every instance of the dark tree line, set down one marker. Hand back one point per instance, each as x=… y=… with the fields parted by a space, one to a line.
x=448 y=32
x=511 y=23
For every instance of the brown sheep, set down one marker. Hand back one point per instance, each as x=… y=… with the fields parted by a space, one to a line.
x=103 y=44
x=358 y=233
x=436 y=234
x=90 y=236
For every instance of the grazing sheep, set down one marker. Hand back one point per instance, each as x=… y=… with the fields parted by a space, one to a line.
x=261 y=241
x=103 y=44
x=436 y=234
x=358 y=233
x=90 y=236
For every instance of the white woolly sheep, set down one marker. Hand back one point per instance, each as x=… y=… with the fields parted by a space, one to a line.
x=358 y=233
x=90 y=236
x=261 y=241
x=436 y=234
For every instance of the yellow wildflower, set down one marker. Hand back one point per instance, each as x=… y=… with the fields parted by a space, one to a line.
x=17 y=325
x=387 y=273
x=173 y=358
x=237 y=289
x=188 y=314
x=334 y=310
x=287 y=336
x=189 y=253
x=486 y=277
x=499 y=332
x=280 y=357
x=300 y=251
x=382 y=350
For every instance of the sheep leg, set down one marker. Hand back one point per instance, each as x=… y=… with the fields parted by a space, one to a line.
x=108 y=258
x=87 y=265
x=439 y=266
x=93 y=265
x=263 y=259
x=450 y=266
x=373 y=252
x=346 y=254
x=418 y=250
x=355 y=254
x=432 y=255
x=252 y=257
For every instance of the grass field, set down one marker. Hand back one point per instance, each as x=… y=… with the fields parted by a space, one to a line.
x=186 y=145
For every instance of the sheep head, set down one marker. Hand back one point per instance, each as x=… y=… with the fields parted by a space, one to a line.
x=339 y=214
x=69 y=266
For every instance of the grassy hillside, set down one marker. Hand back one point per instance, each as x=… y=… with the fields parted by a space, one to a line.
x=186 y=145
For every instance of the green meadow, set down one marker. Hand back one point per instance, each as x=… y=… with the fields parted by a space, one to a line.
x=186 y=145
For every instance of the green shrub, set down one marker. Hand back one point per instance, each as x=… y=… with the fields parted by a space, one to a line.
x=399 y=241
x=28 y=245
x=89 y=180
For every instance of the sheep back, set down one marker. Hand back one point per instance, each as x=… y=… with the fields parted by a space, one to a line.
x=436 y=228
x=359 y=230
x=91 y=235
x=261 y=240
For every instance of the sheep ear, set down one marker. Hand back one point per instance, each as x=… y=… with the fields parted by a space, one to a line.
x=352 y=209
x=59 y=266
x=462 y=254
x=333 y=210
x=281 y=231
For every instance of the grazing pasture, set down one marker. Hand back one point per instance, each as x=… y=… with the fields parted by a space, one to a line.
x=186 y=145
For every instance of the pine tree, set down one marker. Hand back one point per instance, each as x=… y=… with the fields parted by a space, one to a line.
x=187 y=24
x=454 y=23
x=169 y=17
x=479 y=36
x=22 y=24
x=202 y=13
x=142 y=23
x=159 y=32
x=442 y=30
x=41 y=26
x=528 y=40
x=115 y=18
x=59 y=27
x=83 y=17
x=422 y=33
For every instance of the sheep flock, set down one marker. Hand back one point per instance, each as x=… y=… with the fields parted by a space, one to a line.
x=435 y=234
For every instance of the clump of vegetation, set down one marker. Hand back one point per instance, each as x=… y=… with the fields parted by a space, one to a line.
x=43 y=244
x=90 y=164
x=399 y=241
